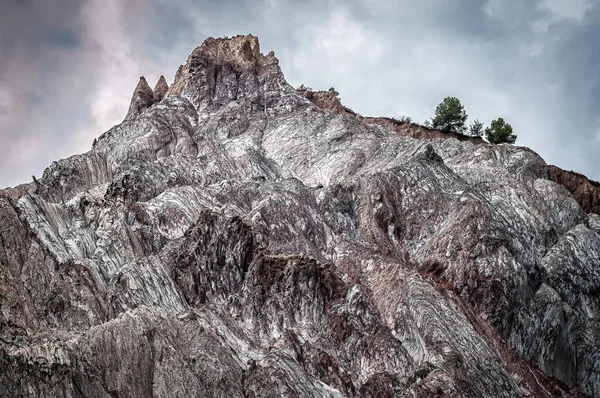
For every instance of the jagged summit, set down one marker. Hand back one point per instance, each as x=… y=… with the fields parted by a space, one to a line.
x=217 y=60
x=241 y=53
x=143 y=96
x=233 y=239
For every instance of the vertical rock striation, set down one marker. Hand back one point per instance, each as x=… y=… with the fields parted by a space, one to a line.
x=230 y=238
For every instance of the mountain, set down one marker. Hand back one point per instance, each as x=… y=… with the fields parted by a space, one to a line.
x=232 y=239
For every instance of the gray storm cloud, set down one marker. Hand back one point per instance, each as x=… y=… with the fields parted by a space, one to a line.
x=67 y=73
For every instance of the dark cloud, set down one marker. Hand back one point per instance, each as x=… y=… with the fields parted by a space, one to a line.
x=57 y=36
x=55 y=58
x=67 y=72
x=38 y=43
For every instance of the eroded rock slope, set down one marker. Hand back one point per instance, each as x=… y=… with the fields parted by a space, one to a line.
x=584 y=190
x=231 y=239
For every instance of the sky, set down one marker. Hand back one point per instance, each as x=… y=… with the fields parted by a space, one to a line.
x=68 y=68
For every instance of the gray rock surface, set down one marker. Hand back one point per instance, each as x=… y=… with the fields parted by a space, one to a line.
x=234 y=240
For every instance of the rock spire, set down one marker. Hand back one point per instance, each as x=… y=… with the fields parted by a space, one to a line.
x=142 y=98
x=161 y=88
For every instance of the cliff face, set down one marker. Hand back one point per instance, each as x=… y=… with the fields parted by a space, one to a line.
x=584 y=190
x=233 y=239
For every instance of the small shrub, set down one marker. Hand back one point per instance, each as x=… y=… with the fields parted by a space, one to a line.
x=476 y=129
x=334 y=92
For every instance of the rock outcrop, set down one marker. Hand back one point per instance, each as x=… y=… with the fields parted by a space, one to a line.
x=161 y=89
x=233 y=239
x=142 y=99
x=584 y=190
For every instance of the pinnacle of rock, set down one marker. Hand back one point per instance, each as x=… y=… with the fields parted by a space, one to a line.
x=142 y=98
x=161 y=88
x=240 y=53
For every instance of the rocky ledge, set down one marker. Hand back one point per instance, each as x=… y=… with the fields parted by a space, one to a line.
x=230 y=238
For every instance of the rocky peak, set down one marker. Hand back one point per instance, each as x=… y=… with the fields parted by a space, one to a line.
x=240 y=52
x=142 y=98
x=224 y=62
x=239 y=241
x=161 y=88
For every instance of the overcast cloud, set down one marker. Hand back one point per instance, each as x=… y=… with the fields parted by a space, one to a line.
x=67 y=71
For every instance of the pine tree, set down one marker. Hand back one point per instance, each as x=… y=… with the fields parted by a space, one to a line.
x=476 y=129
x=450 y=116
x=500 y=132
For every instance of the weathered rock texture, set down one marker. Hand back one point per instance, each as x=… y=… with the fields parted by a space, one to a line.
x=234 y=240
x=161 y=88
x=142 y=99
x=584 y=190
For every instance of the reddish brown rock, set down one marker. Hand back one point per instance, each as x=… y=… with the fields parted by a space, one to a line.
x=584 y=190
x=329 y=102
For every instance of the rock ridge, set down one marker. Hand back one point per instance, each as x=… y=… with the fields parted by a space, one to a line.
x=585 y=191
x=329 y=102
